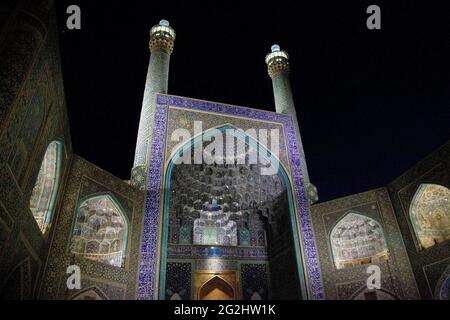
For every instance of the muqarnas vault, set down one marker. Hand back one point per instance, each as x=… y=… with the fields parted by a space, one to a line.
x=195 y=231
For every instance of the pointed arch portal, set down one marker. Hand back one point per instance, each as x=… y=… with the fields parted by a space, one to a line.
x=155 y=232
x=262 y=151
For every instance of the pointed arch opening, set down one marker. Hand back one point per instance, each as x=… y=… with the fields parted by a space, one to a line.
x=429 y=214
x=357 y=239
x=231 y=205
x=45 y=190
x=100 y=231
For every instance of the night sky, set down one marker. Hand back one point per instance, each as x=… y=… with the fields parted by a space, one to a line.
x=370 y=103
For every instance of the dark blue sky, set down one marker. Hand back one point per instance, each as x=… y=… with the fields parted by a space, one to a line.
x=370 y=104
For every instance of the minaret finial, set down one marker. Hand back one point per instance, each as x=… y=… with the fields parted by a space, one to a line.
x=275 y=48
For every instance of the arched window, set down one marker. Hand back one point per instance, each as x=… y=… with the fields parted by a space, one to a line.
x=357 y=240
x=430 y=214
x=44 y=193
x=100 y=231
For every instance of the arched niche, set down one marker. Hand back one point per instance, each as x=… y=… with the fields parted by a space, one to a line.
x=357 y=239
x=18 y=284
x=100 y=231
x=429 y=214
x=45 y=190
x=91 y=293
x=216 y=289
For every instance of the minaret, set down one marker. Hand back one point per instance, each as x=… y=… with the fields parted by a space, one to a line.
x=162 y=37
x=278 y=67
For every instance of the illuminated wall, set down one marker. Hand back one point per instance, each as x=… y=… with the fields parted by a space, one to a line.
x=442 y=291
